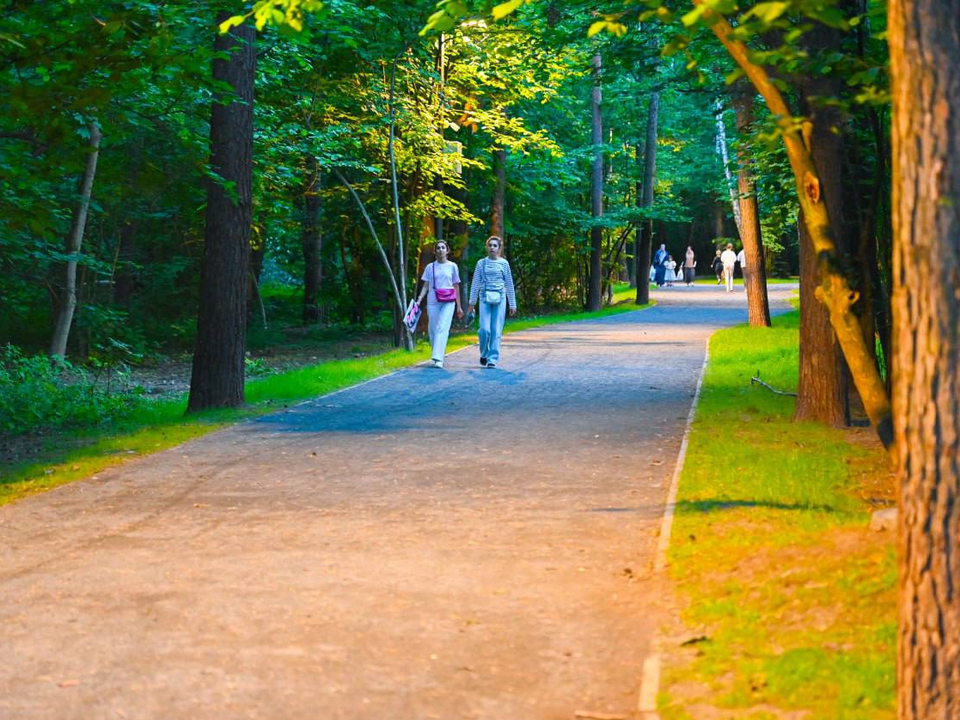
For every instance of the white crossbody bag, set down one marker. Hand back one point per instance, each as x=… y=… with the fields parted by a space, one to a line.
x=490 y=297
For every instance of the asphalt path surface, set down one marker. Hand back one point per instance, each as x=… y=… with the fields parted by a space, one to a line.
x=456 y=543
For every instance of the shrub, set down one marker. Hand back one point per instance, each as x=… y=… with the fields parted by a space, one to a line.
x=39 y=392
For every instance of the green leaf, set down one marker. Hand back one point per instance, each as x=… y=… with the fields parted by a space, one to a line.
x=768 y=11
x=508 y=8
x=231 y=22
x=596 y=27
x=694 y=16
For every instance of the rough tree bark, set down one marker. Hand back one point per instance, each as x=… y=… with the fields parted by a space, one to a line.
x=218 y=362
x=499 y=191
x=755 y=268
x=312 y=242
x=834 y=291
x=924 y=54
x=644 y=241
x=822 y=394
x=594 y=297
x=68 y=300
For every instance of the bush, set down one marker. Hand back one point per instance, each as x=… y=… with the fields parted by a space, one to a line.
x=38 y=393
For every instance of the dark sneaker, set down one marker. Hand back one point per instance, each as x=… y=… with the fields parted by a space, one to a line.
x=483 y=361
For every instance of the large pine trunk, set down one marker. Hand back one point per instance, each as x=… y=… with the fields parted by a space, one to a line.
x=823 y=391
x=755 y=268
x=218 y=362
x=924 y=53
x=596 y=193
x=311 y=241
x=644 y=242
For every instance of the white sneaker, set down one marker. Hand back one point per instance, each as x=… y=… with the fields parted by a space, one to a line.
x=436 y=363
x=491 y=365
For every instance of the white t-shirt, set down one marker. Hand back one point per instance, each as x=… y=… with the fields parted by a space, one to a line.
x=728 y=258
x=440 y=275
x=742 y=258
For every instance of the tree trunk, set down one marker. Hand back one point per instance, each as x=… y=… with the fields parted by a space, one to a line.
x=755 y=267
x=312 y=243
x=218 y=362
x=68 y=304
x=408 y=341
x=499 y=191
x=596 y=194
x=637 y=193
x=822 y=394
x=645 y=233
x=819 y=344
x=725 y=159
x=834 y=291
x=924 y=53
x=124 y=278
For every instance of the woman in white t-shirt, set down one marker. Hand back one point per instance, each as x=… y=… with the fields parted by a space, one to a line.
x=441 y=287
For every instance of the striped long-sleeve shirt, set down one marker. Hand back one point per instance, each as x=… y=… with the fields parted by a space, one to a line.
x=493 y=275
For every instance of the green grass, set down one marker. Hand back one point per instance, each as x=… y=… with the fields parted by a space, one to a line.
x=712 y=280
x=158 y=425
x=771 y=553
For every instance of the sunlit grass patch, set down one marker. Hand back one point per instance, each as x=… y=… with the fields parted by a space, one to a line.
x=792 y=597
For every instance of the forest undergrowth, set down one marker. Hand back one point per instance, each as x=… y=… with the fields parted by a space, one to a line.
x=789 y=599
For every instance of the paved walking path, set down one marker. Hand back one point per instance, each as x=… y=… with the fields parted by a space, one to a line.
x=408 y=548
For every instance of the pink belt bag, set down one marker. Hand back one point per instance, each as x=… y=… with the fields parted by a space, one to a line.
x=444 y=295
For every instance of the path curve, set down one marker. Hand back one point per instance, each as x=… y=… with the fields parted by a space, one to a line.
x=402 y=549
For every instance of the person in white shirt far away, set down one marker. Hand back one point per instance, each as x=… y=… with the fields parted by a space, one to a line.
x=729 y=259
x=742 y=259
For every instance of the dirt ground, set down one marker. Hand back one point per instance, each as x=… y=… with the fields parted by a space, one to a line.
x=457 y=543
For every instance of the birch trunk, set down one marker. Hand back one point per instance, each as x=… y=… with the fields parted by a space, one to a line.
x=68 y=304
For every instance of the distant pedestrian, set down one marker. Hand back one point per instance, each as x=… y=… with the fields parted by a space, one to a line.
x=441 y=287
x=729 y=260
x=671 y=274
x=689 y=267
x=493 y=288
x=659 y=263
x=718 y=268
x=742 y=259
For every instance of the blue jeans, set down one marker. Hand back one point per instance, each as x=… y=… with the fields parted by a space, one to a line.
x=491 y=329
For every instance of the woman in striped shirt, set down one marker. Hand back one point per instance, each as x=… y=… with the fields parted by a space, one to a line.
x=492 y=280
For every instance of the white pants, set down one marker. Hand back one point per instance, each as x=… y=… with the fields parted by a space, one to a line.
x=439 y=317
x=728 y=276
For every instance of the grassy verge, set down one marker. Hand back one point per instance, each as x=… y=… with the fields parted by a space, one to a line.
x=162 y=424
x=789 y=598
